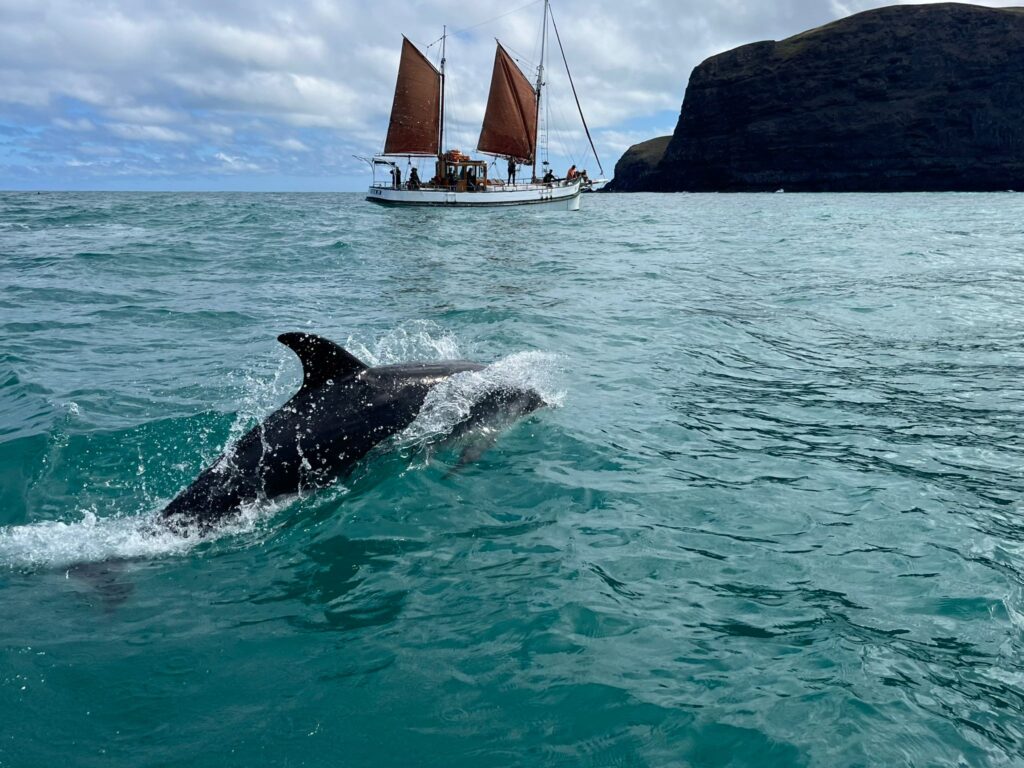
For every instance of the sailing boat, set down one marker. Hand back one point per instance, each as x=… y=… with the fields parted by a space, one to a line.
x=510 y=128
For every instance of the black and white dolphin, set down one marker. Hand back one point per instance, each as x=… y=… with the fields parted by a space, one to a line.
x=343 y=409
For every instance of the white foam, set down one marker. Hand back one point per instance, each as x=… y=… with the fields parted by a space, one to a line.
x=450 y=402
x=56 y=544
x=93 y=539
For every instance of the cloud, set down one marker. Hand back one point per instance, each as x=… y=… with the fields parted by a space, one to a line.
x=81 y=124
x=147 y=115
x=620 y=141
x=235 y=164
x=297 y=86
x=291 y=145
x=146 y=132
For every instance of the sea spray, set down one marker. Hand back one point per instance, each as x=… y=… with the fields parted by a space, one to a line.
x=412 y=340
x=450 y=402
x=92 y=539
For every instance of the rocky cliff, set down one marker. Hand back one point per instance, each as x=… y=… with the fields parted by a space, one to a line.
x=640 y=161
x=905 y=98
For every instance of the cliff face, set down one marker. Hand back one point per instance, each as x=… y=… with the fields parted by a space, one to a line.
x=926 y=97
x=640 y=161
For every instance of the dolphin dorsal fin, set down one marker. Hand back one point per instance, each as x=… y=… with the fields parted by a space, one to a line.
x=321 y=358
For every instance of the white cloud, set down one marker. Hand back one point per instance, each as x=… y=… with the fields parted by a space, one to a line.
x=619 y=141
x=235 y=164
x=81 y=124
x=98 y=150
x=146 y=132
x=216 y=130
x=17 y=90
x=291 y=145
x=252 y=48
x=147 y=115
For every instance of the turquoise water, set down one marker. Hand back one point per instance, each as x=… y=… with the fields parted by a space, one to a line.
x=773 y=516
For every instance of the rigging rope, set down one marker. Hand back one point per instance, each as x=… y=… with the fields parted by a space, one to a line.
x=488 y=21
x=580 y=108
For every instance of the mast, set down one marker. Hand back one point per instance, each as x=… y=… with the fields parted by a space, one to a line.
x=540 y=84
x=440 y=132
x=575 y=96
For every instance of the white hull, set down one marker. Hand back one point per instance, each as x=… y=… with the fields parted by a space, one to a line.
x=559 y=196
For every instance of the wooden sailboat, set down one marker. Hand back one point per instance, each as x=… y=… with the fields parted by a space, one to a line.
x=510 y=128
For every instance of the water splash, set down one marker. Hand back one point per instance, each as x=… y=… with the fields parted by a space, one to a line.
x=414 y=340
x=55 y=544
x=258 y=398
x=449 y=403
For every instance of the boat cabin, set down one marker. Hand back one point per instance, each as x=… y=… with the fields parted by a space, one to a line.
x=458 y=173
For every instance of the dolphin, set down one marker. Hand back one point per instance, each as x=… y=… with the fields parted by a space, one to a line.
x=343 y=409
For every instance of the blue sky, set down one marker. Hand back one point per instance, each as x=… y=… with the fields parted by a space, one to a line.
x=258 y=95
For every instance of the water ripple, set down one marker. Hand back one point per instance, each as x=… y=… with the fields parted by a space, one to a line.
x=775 y=519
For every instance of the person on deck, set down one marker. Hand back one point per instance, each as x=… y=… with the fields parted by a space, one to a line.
x=414 y=179
x=511 y=170
x=570 y=175
x=549 y=177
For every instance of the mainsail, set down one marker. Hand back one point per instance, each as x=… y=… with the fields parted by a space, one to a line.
x=510 y=122
x=416 y=112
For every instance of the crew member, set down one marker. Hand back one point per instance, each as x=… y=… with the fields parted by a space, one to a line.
x=511 y=170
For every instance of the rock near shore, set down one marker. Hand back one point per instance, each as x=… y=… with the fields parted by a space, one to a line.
x=904 y=98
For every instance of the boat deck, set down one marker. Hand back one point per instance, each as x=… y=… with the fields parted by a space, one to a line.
x=564 y=195
x=481 y=189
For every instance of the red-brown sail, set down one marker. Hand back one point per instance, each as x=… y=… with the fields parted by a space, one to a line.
x=416 y=112
x=510 y=122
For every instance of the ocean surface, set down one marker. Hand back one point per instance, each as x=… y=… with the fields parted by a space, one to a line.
x=773 y=516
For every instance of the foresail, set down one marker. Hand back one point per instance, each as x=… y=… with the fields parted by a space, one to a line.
x=510 y=122
x=416 y=111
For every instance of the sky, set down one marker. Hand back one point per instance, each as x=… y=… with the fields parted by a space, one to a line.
x=286 y=95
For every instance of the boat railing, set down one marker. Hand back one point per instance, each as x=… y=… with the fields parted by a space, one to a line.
x=491 y=186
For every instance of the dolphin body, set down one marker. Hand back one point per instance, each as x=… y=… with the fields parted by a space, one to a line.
x=343 y=409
